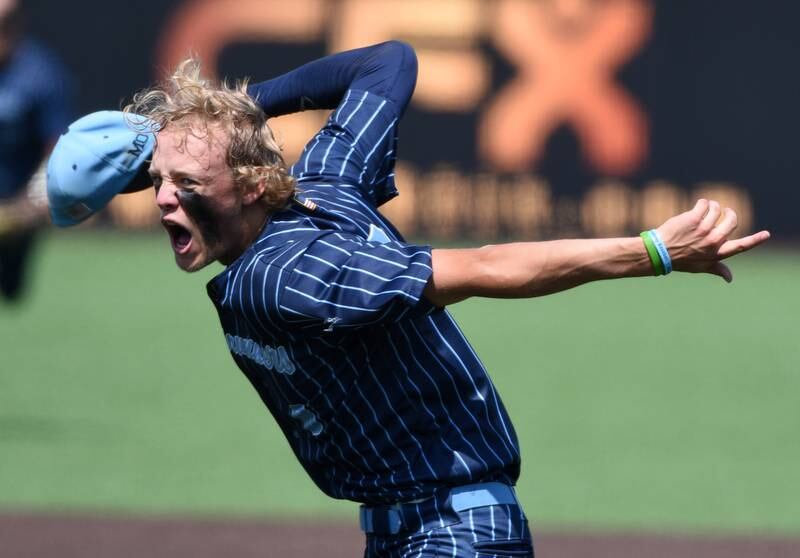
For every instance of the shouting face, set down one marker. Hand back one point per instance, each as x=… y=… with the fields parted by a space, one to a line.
x=201 y=205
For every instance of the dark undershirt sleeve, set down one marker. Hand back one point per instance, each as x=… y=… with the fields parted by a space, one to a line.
x=388 y=70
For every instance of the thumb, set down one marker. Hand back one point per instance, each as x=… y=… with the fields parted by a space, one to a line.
x=722 y=270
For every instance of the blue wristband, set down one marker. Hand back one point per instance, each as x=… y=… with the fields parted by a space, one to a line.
x=662 y=250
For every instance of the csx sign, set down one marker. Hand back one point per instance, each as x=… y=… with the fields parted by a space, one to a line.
x=566 y=53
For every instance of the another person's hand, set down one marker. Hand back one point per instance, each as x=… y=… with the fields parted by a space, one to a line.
x=20 y=216
x=699 y=239
x=8 y=225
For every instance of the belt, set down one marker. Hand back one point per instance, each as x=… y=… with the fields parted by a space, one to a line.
x=388 y=519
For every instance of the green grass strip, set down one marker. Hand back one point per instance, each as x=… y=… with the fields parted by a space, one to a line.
x=117 y=392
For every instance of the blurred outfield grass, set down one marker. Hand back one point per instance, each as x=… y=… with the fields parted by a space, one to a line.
x=667 y=404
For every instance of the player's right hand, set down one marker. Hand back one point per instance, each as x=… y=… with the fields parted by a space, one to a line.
x=699 y=239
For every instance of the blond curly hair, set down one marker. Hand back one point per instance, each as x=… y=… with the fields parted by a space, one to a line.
x=253 y=154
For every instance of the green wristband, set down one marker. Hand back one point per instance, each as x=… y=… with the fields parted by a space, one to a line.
x=652 y=251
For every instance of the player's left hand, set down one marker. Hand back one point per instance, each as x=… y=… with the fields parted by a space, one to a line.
x=700 y=238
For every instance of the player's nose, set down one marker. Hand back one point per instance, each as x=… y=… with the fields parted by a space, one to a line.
x=166 y=197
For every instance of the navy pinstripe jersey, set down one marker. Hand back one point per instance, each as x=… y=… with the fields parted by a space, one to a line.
x=378 y=392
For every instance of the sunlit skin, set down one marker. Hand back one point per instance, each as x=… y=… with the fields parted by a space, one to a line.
x=210 y=218
x=207 y=215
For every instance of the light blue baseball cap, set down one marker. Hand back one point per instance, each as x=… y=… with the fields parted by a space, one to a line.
x=99 y=156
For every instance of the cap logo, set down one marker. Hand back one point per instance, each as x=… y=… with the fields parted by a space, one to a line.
x=138 y=145
x=128 y=159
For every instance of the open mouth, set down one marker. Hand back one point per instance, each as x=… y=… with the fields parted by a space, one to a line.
x=179 y=236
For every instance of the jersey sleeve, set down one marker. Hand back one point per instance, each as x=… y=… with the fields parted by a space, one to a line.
x=341 y=281
x=388 y=70
x=357 y=146
x=369 y=88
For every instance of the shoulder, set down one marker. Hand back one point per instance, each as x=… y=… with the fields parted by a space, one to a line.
x=40 y=61
x=259 y=273
x=279 y=245
x=41 y=75
x=272 y=258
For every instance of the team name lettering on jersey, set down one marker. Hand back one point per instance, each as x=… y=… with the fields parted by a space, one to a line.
x=268 y=357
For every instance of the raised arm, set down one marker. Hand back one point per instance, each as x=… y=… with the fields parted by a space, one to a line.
x=387 y=69
x=697 y=241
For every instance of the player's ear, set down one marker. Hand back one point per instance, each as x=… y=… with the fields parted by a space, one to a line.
x=254 y=192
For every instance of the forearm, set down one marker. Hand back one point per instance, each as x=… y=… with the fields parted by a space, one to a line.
x=523 y=270
x=387 y=69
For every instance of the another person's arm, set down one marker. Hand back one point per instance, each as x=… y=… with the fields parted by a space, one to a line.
x=697 y=241
x=53 y=111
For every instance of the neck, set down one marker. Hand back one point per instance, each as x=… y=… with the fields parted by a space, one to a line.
x=253 y=221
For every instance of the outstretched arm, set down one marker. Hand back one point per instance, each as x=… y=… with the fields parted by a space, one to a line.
x=697 y=241
x=387 y=69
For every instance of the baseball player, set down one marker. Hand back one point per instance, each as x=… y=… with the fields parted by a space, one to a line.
x=338 y=322
x=34 y=110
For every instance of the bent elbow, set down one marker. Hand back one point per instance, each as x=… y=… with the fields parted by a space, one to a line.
x=399 y=64
x=402 y=53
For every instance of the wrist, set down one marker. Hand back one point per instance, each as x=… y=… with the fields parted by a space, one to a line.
x=623 y=257
x=657 y=252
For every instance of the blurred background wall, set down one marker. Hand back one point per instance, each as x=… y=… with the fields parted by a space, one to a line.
x=531 y=119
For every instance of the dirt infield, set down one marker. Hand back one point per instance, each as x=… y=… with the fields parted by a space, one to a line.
x=83 y=536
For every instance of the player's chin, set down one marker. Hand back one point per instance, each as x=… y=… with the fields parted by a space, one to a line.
x=190 y=262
